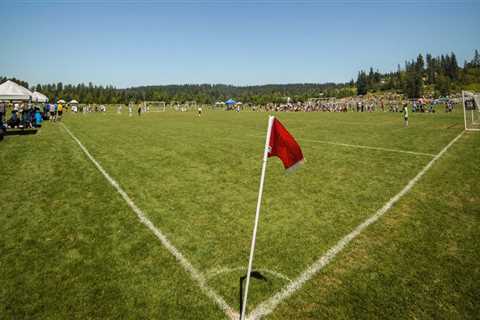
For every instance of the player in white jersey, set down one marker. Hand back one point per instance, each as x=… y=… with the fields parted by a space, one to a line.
x=405 y=115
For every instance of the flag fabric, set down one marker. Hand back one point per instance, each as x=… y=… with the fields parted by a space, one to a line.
x=283 y=145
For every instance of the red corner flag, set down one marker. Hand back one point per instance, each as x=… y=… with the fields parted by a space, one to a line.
x=283 y=145
x=278 y=142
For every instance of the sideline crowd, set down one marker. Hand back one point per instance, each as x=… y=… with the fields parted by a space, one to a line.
x=361 y=105
x=29 y=115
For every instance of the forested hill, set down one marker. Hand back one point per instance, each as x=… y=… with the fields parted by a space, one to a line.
x=437 y=76
x=219 y=92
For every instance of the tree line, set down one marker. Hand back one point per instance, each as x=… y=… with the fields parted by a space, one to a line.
x=438 y=76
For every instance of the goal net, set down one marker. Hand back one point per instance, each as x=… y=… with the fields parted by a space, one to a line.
x=471 y=110
x=155 y=106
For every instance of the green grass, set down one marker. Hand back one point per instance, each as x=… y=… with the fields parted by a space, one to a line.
x=70 y=247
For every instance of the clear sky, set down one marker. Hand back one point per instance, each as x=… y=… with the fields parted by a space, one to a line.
x=128 y=43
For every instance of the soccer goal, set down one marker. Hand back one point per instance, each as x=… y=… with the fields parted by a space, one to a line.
x=156 y=106
x=471 y=110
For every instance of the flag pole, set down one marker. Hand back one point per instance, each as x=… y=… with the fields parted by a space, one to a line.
x=257 y=216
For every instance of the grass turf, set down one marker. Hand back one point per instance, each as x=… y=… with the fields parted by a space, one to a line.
x=70 y=247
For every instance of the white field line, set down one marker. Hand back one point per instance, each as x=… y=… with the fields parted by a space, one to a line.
x=196 y=275
x=364 y=147
x=212 y=273
x=270 y=304
x=368 y=147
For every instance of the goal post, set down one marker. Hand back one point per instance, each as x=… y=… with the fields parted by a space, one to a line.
x=471 y=110
x=156 y=106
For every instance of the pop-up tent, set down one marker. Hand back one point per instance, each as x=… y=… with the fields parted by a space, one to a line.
x=61 y=101
x=230 y=102
x=39 y=97
x=73 y=102
x=9 y=90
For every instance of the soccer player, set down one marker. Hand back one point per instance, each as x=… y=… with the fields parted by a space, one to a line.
x=199 y=111
x=405 y=115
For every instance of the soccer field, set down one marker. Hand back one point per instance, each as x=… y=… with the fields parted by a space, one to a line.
x=163 y=229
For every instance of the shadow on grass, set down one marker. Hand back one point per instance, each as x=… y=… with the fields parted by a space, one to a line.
x=20 y=132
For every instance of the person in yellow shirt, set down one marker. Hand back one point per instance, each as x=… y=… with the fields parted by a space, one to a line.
x=60 y=111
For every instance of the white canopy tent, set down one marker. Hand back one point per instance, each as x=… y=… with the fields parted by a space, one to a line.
x=73 y=102
x=9 y=90
x=39 y=97
x=61 y=101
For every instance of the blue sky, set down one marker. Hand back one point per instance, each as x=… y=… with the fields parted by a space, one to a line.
x=128 y=43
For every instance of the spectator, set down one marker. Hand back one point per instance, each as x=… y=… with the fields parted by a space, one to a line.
x=2 y=112
x=13 y=122
x=59 y=111
x=38 y=118
x=51 y=109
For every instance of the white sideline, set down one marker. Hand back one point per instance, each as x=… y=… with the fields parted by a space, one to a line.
x=368 y=147
x=196 y=275
x=270 y=304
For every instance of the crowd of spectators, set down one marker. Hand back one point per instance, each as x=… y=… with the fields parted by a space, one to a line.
x=25 y=115
x=359 y=104
x=22 y=115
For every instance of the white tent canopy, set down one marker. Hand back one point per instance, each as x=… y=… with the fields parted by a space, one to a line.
x=39 y=97
x=9 y=90
x=73 y=102
x=61 y=101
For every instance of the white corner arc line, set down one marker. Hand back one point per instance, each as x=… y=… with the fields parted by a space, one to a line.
x=369 y=147
x=271 y=303
x=196 y=275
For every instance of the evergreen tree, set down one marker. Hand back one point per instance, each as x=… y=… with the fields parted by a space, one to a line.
x=362 y=83
x=453 y=67
x=420 y=64
x=476 y=59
